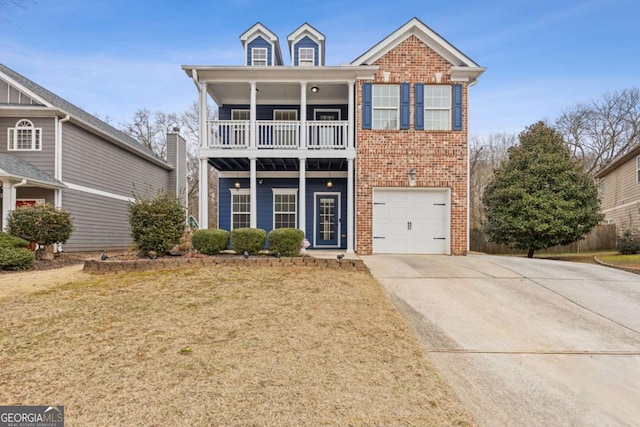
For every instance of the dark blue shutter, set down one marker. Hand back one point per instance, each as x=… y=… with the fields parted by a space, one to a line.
x=457 y=107
x=419 y=109
x=404 y=105
x=366 y=105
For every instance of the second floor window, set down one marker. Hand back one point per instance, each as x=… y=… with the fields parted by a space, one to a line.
x=437 y=107
x=305 y=56
x=259 y=56
x=386 y=99
x=24 y=137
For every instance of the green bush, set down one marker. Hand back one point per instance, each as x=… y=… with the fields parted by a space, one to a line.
x=9 y=241
x=43 y=224
x=286 y=241
x=12 y=258
x=211 y=241
x=157 y=223
x=248 y=239
x=629 y=243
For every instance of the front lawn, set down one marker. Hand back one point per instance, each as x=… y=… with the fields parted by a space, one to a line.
x=220 y=347
x=626 y=261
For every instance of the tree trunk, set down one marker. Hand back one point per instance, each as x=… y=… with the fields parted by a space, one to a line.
x=530 y=253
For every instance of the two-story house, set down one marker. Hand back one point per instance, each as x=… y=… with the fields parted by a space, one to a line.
x=52 y=151
x=370 y=156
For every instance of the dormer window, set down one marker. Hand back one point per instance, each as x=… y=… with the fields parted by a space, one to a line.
x=306 y=57
x=259 y=56
x=24 y=137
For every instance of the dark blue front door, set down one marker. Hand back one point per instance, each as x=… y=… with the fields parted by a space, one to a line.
x=327 y=221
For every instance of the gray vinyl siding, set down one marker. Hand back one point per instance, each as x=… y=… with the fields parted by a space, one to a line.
x=621 y=197
x=92 y=162
x=100 y=223
x=11 y=95
x=177 y=157
x=43 y=159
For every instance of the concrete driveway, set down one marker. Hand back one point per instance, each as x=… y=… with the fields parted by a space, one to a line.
x=525 y=341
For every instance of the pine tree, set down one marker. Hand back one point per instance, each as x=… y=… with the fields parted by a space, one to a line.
x=540 y=196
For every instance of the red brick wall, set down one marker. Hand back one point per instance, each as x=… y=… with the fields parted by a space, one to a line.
x=385 y=157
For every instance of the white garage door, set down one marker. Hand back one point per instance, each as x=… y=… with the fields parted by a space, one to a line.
x=411 y=221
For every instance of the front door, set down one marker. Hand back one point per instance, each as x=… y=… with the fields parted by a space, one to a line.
x=327 y=220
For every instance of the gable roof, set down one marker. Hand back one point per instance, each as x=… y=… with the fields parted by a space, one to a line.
x=259 y=29
x=300 y=32
x=50 y=99
x=16 y=168
x=462 y=66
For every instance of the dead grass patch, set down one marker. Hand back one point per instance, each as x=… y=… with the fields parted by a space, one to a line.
x=220 y=347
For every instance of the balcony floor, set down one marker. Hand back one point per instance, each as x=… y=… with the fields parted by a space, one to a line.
x=237 y=164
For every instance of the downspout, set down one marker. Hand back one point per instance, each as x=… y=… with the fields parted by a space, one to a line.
x=58 y=169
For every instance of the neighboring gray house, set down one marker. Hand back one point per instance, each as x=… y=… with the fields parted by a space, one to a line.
x=52 y=151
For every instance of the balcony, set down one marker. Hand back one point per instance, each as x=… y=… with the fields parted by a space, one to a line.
x=281 y=134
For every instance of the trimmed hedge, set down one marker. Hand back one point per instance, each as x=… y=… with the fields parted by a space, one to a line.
x=628 y=243
x=210 y=241
x=248 y=239
x=286 y=241
x=9 y=241
x=12 y=258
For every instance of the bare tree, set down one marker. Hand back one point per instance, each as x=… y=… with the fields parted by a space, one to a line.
x=150 y=129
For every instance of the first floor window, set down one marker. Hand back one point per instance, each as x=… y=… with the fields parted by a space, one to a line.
x=24 y=137
x=240 y=208
x=437 y=107
x=386 y=103
x=284 y=208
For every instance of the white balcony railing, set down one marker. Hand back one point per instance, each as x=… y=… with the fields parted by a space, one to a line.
x=278 y=134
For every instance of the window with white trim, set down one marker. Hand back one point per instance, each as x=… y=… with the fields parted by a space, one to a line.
x=285 y=208
x=240 y=208
x=437 y=107
x=386 y=106
x=24 y=137
x=259 y=56
x=306 y=56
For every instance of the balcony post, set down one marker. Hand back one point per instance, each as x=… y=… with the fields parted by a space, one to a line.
x=302 y=198
x=204 y=143
x=350 y=114
x=303 y=115
x=350 y=214
x=203 y=194
x=253 y=195
x=253 y=135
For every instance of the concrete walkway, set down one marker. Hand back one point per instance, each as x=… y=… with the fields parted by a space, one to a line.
x=525 y=341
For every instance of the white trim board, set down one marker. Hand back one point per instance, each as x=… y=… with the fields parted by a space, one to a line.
x=98 y=192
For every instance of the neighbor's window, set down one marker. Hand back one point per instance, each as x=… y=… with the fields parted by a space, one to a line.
x=24 y=137
x=305 y=56
x=437 y=107
x=240 y=208
x=386 y=104
x=284 y=208
x=259 y=56
x=638 y=169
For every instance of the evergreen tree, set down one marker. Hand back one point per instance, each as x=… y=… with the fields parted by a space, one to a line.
x=540 y=196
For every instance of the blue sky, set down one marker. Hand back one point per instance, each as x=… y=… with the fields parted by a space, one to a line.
x=114 y=57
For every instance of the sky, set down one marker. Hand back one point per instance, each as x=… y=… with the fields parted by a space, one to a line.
x=114 y=57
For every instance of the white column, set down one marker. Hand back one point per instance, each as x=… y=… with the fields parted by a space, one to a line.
x=302 y=197
x=203 y=193
x=350 y=212
x=351 y=116
x=253 y=191
x=253 y=136
x=7 y=204
x=203 y=116
x=303 y=115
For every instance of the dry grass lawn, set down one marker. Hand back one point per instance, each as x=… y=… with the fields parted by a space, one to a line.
x=220 y=347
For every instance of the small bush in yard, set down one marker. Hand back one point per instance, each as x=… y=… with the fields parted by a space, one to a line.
x=211 y=241
x=248 y=239
x=43 y=224
x=157 y=223
x=286 y=241
x=12 y=258
x=9 y=241
x=628 y=243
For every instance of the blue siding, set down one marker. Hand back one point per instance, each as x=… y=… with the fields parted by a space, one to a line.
x=259 y=42
x=305 y=42
x=265 y=112
x=265 y=201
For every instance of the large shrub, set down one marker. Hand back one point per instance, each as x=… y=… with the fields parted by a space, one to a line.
x=157 y=223
x=628 y=243
x=211 y=241
x=12 y=258
x=248 y=240
x=286 y=241
x=43 y=224
x=9 y=241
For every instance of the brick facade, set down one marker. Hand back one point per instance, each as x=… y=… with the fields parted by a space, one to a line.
x=385 y=157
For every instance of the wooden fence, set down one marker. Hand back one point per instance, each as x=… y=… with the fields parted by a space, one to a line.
x=601 y=238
